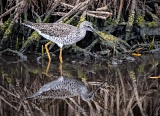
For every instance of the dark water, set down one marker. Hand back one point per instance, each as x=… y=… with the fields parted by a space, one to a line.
x=128 y=90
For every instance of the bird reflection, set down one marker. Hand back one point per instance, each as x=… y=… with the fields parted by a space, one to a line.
x=62 y=88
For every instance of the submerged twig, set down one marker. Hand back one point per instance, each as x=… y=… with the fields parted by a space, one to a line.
x=22 y=57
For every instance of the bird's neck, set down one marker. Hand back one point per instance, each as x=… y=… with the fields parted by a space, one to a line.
x=82 y=32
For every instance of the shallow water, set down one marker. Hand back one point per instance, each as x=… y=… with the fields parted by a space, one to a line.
x=128 y=90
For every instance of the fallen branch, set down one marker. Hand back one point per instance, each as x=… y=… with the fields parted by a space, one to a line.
x=75 y=10
x=96 y=14
x=100 y=12
x=101 y=17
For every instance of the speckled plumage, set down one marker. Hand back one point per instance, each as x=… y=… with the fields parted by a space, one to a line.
x=63 y=87
x=61 y=33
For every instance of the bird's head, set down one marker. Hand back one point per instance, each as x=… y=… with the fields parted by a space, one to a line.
x=87 y=26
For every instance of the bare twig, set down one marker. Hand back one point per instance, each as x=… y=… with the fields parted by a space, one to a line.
x=11 y=9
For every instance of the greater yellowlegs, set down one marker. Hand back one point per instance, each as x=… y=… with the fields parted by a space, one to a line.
x=60 y=33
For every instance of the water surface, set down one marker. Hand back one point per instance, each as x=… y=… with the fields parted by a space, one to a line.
x=128 y=90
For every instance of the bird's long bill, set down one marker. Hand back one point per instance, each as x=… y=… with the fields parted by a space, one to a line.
x=94 y=30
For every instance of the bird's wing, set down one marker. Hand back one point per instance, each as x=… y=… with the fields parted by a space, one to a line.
x=54 y=29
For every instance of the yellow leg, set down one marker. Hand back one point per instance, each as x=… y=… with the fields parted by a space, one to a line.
x=60 y=55
x=60 y=68
x=46 y=47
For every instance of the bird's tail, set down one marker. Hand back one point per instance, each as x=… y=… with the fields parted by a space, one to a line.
x=29 y=24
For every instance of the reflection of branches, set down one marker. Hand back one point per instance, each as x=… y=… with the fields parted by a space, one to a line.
x=120 y=95
x=132 y=76
x=9 y=92
x=27 y=108
x=118 y=98
x=39 y=109
x=22 y=57
x=79 y=107
x=2 y=98
x=129 y=105
x=98 y=107
x=123 y=87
